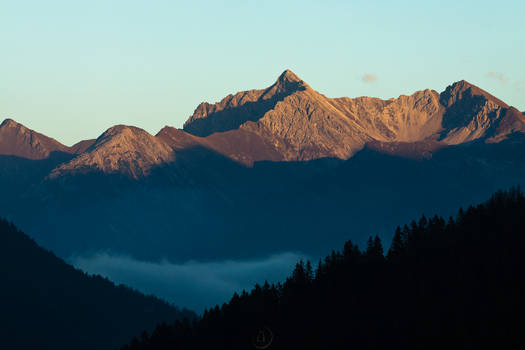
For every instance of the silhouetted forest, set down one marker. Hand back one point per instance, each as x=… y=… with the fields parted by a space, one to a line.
x=48 y=304
x=444 y=283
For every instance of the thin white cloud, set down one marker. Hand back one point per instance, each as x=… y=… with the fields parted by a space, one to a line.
x=194 y=285
x=369 y=78
x=519 y=85
x=498 y=76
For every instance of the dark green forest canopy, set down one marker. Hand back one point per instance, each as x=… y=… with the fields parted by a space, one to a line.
x=453 y=283
x=48 y=304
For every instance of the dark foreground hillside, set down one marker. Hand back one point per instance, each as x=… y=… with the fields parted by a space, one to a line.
x=452 y=283
x=47 y=304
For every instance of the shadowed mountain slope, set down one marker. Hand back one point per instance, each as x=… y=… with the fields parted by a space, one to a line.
x=240 y=145
x=47 y=304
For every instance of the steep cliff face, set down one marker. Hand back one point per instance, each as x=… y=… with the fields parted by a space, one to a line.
x=125 y=150
x=235 y=110
x=17 y=140
x=301 y=124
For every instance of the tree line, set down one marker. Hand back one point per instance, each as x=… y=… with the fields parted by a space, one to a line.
x=443 y=283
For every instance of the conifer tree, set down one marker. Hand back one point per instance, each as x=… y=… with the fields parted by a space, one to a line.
x=398 y=245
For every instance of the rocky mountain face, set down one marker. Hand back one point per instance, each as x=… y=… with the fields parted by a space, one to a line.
x=235 y=110
x=303 y=124
x=472 y=113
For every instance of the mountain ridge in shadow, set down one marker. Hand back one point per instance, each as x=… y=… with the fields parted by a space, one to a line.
x=48 y=304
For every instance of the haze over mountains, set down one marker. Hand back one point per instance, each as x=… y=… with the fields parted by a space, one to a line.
x=263 y=172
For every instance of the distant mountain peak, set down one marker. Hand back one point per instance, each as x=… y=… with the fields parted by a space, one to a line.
x=288 y=76
x=121 y=130
x=462 y=89
x=234 y=110
x=121 y=149
x=462 y=83
x=9 y=123
x=20 y=141
x=472 y=113
x=288 y=82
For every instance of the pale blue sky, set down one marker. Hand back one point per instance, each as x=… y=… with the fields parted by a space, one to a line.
x=71 y=69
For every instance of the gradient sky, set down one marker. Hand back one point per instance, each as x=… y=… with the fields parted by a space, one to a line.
x=71 y=69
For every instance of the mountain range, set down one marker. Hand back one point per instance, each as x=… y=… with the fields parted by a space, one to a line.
x=288 y=121
x=263 y=171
